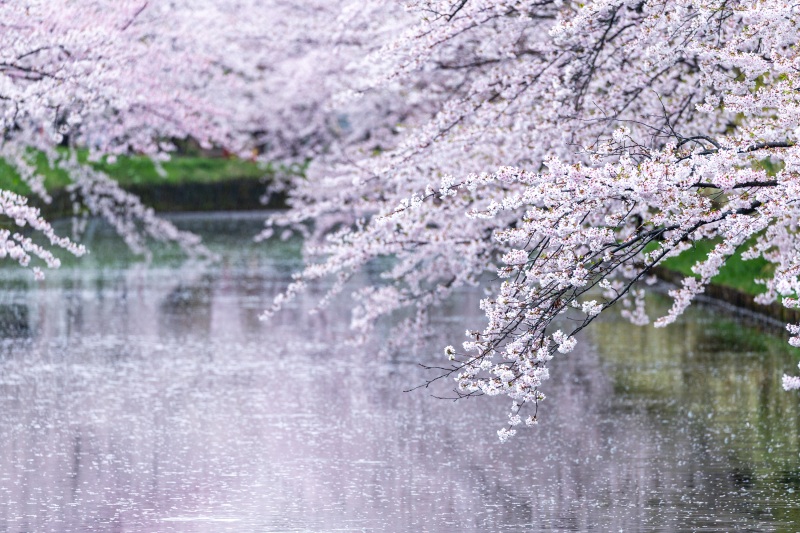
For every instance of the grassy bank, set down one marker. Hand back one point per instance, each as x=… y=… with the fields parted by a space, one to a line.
x=184 y=183
x=736 y=273
x=735 y=282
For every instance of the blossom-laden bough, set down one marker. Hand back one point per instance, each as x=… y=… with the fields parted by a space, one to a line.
x=574 y=145
x=568 y=146
x=123 y=77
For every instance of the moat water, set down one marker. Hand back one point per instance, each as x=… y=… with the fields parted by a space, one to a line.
x=149 y=397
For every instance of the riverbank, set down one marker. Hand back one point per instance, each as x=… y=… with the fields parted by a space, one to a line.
x=232 y=194
x=184 y=183
x=734 y=284
x=200 y=183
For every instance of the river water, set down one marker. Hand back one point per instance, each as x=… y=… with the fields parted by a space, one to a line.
x=139 y=398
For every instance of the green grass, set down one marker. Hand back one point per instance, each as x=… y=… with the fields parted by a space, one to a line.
x=140 y=171
x=736 y=273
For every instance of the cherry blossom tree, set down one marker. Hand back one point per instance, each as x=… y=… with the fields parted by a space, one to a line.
x=132 y=76
x=97 y=75
x=566 y=148
x=569 y=148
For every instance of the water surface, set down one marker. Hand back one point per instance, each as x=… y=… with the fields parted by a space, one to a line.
x=139 y=398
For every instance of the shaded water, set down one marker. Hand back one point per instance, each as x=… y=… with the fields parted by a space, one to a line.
x=150 y=398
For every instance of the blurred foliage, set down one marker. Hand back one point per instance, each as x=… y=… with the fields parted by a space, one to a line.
x=187 y=182
x=140 y=171
x=736 y=273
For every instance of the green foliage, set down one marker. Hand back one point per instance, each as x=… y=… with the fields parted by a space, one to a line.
x=179 y=170
x=736 y=273
x=54 y=178
x=140 y=171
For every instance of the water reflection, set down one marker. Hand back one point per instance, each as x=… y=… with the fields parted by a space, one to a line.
x=150 y=398
x=14 y=320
